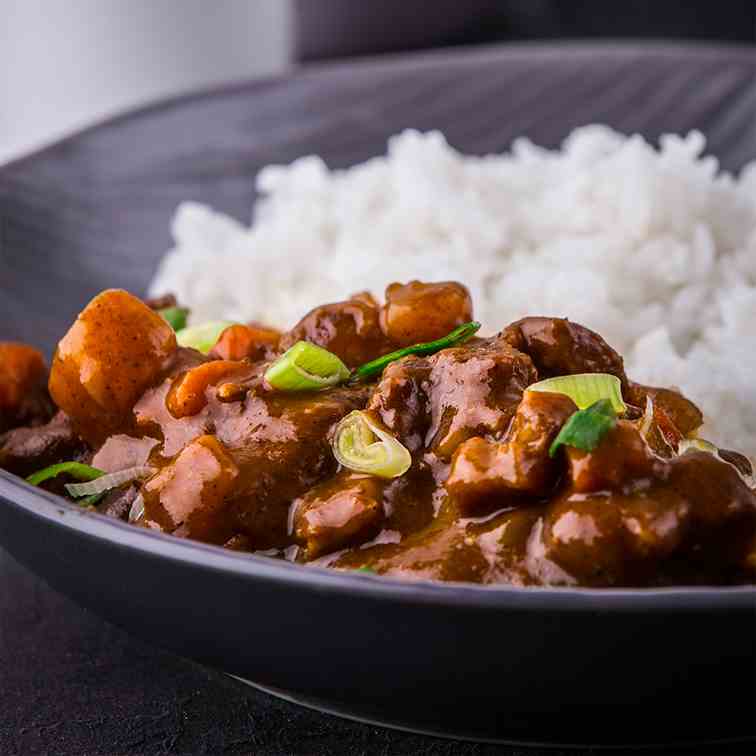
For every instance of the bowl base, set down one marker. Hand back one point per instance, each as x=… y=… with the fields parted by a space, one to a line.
x=344 y=712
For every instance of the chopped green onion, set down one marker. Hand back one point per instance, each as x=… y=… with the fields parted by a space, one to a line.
x=176 y=317
x=585 y=389
x=104 y=483
x=586 y=427
x=306 y=367
x=76 y=470
x=360 y=444
x=202 y=337
x=367 y=570
x=458 y=336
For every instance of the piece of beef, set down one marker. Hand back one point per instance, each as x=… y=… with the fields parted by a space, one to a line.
x=647 y=521
x=26 y=450
x=338 y=512
x=494 y=474
x=559 y=347
x=437 y=402
x=162 y=302
x=401 y=402
x=474 y=391
x=117 y=503
x=351 y=330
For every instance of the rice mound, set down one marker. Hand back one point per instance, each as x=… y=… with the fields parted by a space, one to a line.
x=653 y=248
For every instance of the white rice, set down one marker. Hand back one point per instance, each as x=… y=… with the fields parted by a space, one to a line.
x=653 y=248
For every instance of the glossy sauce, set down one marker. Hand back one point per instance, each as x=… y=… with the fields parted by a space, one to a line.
x=240 y=464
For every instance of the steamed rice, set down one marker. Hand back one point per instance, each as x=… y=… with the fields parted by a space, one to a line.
x=653 y=248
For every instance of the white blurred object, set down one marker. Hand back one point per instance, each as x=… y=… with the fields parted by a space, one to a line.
x=66 y=63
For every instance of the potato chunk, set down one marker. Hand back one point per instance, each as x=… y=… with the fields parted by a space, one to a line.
x=23 y=395
x=115 y=350
x=417 y=312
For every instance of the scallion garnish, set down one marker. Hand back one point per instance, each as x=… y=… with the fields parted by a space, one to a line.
x=306 y=367
x=76 y=470
x=104 y=483
x=202 y=337
x=585 y=389
x=361 y=444
x=458 y=336
x=176 y=317
x=367 y=570
x=586 y=427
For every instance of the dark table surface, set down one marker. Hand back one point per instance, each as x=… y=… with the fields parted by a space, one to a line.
x=71 y=684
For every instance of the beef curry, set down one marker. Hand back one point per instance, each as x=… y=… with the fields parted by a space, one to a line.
x=527 y=457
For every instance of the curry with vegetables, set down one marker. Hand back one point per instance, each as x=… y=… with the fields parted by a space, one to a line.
x=387 y=438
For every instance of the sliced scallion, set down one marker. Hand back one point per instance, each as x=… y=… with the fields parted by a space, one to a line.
x=104 y=483
x=176 y=317
x=76 y=470
x=585 y=389
x=306 y=367
x=586 y=427
x=456 y=337
x=202 y=337
x=360 y=444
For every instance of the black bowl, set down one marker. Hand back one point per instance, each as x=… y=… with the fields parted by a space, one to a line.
x=567 y=666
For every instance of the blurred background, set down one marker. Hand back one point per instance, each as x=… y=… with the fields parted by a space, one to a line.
x=67 y=63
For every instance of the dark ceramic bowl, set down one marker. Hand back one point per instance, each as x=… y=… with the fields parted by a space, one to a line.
x=550 y=666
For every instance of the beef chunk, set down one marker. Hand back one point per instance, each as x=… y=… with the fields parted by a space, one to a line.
x=161 y=303
x=26 y=450
x=401 y=402
x=349 y=329
x=337 y=513
x=559 y=347
x=691 y=522
x=438 y=402
x=474 y=391
x=117 y=503
x=190 y=493
x=500 y=474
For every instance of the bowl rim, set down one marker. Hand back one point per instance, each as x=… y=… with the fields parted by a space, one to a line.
x=56 y=512
x=742 y=53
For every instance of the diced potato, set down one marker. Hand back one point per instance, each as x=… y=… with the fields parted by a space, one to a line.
x=117 y=348
x=417 y=312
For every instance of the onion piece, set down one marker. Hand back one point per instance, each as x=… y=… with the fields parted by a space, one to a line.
x=585 y=389
x=106 y=482
x=306 y=367
x=137 y=508
x=648 y=418
x=361 y=444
